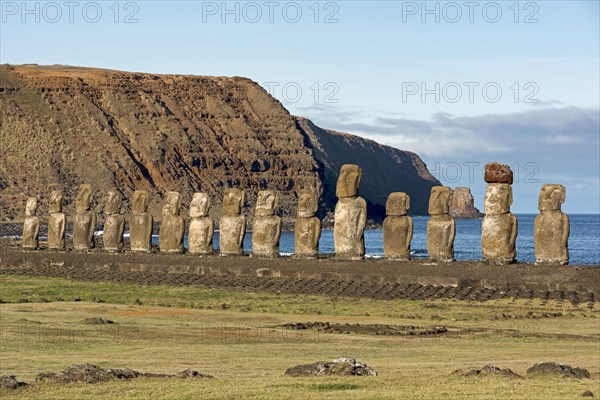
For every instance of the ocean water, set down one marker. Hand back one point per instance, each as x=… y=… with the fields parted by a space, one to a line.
x=584 y=240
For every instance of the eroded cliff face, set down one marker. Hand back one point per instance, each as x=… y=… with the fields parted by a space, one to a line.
x=463 y=204
x=385 y=169
x=61 y=126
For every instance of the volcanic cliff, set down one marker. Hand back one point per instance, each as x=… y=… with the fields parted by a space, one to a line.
x=61 y=126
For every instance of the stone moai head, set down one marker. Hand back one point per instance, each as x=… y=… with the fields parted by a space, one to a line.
x=139 y=202
x=498 y=198
x=398 y=203
x=348 y=181
x=266 y=203
x=308 y=204
x=56 y=202
x=200 y=205
x=551 y=197
x=171 y=204
x=113 y=203
x=31 y=207
x=84 y=197
x=440 y=200
x=233 y=199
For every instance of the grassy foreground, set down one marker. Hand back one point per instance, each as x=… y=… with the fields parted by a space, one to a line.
x=235 y=337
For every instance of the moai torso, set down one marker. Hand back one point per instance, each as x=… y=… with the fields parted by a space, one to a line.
x=85 y=220
x=551 y=227
x=56 y=222
x=201 y=230
x=307 y=229
x=441 y=232
x=140 y=222
x=350 y=215
x=499 y=226
x=232 y=226
x=266 y=227
x=307 y=232
x=172 y=227
x=397 y=227
x=114 y=223
x=440 y=227
x=31 y=225
x=349 y=227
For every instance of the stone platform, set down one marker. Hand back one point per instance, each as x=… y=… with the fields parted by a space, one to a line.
x=388 y=273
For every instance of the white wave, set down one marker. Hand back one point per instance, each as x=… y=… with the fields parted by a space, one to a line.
x=371 y=255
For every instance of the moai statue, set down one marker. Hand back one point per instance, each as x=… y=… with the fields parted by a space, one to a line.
x=233 y=223
x=114 y=223
x=551 y=227
x=140 y=222
x=266 y=227
x=172 y=227
x=201 y=231
x=85 y=219
x=31 y=225
x=499 y=226
x=397 y=227
x=441 y=229
x=56 y=222
x=350 y=215
x=307 y=230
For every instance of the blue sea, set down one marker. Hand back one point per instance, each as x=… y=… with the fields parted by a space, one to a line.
x=584 y=240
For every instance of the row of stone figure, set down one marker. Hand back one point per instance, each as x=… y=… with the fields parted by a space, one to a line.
x=499 y=227
x=266 y=227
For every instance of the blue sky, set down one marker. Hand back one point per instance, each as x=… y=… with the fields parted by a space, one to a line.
x=460 y=83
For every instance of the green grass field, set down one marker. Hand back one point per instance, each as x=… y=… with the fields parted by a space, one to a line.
x=235 y=337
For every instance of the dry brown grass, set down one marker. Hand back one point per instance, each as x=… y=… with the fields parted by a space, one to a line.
x=248 y=355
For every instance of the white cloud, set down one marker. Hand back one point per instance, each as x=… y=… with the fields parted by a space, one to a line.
x=564 y=139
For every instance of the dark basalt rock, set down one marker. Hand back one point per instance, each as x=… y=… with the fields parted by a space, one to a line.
x=87 y=373
x=487 y=371
x=10 y=382
x=344 y=366
x=553 y=368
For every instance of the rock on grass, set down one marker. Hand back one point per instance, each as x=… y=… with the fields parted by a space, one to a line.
x=344 y=366
x=553 y=368
x=487 y=371
x=10 y=382
x=87 y=373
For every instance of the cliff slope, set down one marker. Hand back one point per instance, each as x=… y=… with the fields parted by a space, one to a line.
x=61 y=126
x=385 y=169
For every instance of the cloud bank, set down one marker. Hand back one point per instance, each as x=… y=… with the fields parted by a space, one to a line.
x=444 y=135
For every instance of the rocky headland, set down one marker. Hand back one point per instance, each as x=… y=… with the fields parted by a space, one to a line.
x=63 y=126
